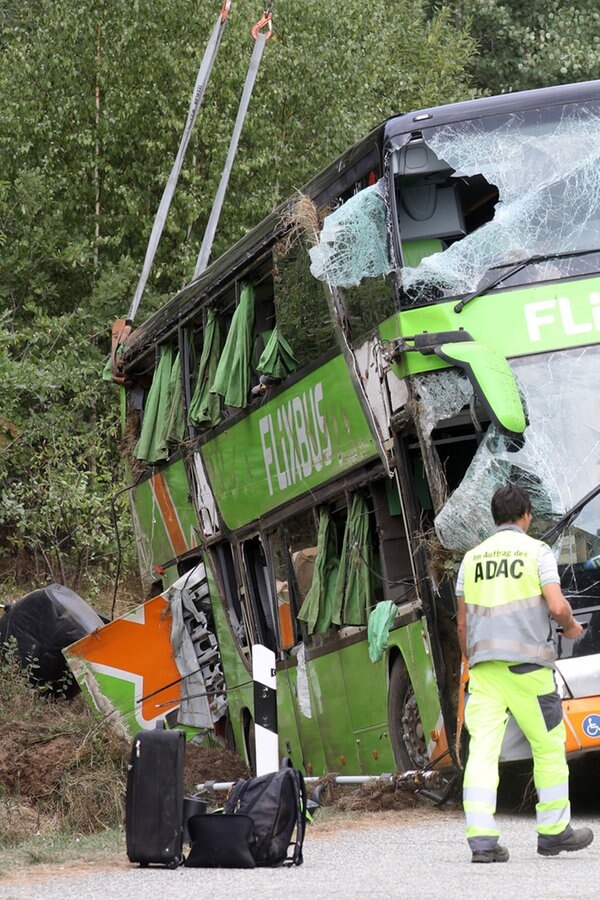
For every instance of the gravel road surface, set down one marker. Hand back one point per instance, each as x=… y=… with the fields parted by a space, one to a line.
x=418 y=853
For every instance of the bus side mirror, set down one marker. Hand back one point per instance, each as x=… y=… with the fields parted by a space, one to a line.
x=493 y=382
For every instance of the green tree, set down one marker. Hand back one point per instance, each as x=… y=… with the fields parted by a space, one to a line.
x=58 y=452
x=533 y=44
x=95 y=102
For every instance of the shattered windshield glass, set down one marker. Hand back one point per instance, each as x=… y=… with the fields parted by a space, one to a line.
x=496 y=191
x=558 y=463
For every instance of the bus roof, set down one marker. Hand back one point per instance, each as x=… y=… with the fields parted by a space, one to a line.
x=485 y=106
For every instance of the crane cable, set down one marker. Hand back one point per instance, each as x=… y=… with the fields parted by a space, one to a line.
x=260 y=36
x=202 y=78
x=261 y=32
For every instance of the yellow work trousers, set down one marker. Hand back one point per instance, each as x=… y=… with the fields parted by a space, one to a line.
x=529 y=693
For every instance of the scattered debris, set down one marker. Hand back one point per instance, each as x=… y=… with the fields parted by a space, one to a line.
x=371 y=797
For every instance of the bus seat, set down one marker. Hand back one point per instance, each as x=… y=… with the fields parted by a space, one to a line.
x=428 y=211
x=414 y=251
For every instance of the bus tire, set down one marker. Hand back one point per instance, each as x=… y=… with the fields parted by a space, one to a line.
x=405 y=729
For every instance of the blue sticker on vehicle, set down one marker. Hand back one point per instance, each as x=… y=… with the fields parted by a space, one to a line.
x=591 y=726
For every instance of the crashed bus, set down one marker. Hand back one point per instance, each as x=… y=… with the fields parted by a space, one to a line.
x=317 y=423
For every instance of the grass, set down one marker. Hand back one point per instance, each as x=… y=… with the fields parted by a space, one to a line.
x=101 y=848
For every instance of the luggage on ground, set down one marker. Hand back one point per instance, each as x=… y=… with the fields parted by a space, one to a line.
x=192 y=806
x=276 y=803
x=220 y=841
x=154 y=800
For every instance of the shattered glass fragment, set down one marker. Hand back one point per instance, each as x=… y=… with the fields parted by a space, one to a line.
x=558 y=463
x=466 y=520
x=353 y=243
x=561 y=393
x=440 y=395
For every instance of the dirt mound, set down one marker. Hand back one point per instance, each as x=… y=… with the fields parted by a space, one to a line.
x=30 y=765
x=204 y=764
x=373 y=796
x=57 y=759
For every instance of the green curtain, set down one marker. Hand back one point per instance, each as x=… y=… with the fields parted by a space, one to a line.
x=354 y=588
x=277 y=359
x=174 y=422
x=378 y=631
x=205 y=408
x=152 y=445
x=232 y=378
x=323 y=623
x=317 y=606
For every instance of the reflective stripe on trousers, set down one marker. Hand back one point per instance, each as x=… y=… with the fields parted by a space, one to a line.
x=532 y=699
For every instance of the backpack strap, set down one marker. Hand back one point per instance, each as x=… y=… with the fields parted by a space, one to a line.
x=235 y=795
x=296 y=858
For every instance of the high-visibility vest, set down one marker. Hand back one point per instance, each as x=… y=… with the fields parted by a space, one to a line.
x=507 y=616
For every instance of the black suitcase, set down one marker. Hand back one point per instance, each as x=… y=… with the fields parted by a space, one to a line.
x=154 y=799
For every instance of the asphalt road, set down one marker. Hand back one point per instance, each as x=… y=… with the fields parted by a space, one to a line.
x=418 y=853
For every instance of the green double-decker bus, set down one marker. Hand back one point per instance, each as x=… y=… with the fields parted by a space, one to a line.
x=316 y=426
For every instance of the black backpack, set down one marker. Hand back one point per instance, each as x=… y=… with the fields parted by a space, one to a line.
x=276 y=803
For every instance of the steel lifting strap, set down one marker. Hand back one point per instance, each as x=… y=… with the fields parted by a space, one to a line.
x=260 y=37
x=204 y=73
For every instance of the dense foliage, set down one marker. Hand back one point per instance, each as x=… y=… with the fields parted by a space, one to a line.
x=533 y=44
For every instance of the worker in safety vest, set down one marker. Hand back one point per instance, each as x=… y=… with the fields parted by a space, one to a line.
x=508 y=588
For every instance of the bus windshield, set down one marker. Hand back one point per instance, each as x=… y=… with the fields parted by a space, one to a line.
x=490 y=192
x=558 y=461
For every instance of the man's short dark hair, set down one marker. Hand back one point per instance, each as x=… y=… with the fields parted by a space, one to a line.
x=509 y=503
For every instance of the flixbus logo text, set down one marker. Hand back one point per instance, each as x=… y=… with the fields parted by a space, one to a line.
x=295 y=440
x=545 y=314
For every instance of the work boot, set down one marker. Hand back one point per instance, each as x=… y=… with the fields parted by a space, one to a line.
x=570 y=839
x=495 y=854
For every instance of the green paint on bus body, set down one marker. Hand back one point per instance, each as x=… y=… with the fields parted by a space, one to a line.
x=347 y=729
x=153 y=529
x=316 y=430
x=309 y=434
x=120 y=694
x=109 y=696
x=518 y=322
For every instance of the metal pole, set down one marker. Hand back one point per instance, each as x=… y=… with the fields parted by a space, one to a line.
x=412 y=776
x=265 y=710
x=209 y=234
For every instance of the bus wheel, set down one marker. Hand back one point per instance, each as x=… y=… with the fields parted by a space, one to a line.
x=406 y=730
